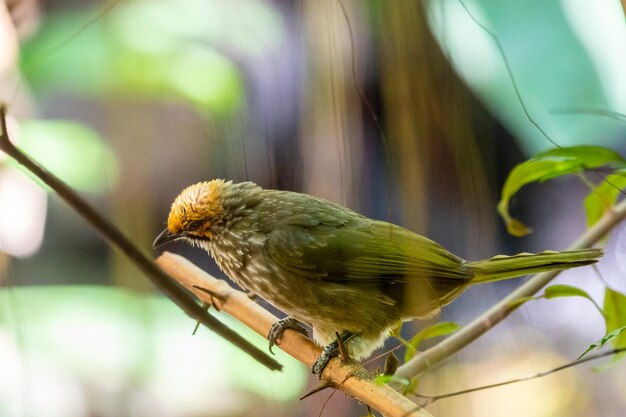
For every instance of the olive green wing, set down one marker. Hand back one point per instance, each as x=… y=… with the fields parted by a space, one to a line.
x=360 y=251
x=405 y=269
x=321 y=252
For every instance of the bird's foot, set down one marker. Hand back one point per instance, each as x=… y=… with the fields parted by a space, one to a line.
x=280 y=326
x=330 y=351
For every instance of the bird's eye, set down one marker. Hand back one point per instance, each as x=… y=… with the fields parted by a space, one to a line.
x=194 y=225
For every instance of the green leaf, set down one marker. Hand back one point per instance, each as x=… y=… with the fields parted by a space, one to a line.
x=561 y=290
x=615 y=316
x=556 y=291
x=385 y=379
x=615 y=310
x=607 y=337
x=548 y=165
x=436 y=330
x=604 y=196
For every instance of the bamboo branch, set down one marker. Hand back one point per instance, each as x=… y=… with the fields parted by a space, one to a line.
x=457 y=341
x=350 y=378
x=115 y=237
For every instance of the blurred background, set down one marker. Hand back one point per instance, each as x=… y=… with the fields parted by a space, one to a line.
x=402 y=110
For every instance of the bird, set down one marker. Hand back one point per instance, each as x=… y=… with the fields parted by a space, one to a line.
x=350 y=278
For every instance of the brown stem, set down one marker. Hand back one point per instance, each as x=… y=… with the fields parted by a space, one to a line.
x=114 y=236
x=349 y=377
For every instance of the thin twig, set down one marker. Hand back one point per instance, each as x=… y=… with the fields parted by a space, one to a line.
x=432 y=398
x=350 y=377
x=115 y=237
x=466 y=335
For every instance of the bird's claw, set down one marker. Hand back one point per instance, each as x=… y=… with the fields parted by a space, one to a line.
x=330 y=351
x=280 y=326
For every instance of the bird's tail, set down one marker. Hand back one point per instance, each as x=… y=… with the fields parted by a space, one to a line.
x=503 y=267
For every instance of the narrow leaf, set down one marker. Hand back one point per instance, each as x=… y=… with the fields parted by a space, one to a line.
x=615 y=310
x=615 y=316
x=607 y=338
x=548 y=165
x=385 y=379
x=436 y=330
x=556 y=291
x=589 y=349
x=561 y=290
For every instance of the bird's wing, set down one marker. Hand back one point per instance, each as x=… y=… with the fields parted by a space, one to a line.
x=358 y=250
x=332 y=245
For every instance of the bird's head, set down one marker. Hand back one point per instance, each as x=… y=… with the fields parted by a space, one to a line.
x=197 y=214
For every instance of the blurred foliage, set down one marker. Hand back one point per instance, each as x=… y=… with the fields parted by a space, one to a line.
x=563 y=56
x=174 y=53
x=71 y=151
x=120 y=335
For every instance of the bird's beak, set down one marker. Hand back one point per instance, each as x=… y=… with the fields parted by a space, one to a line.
x=165 y=237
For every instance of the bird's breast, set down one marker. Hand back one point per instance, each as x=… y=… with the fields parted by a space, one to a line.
x=239 y=257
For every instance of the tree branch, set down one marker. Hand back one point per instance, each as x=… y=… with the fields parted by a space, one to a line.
x=350 y=378
x=466 y=335
x=115 y=237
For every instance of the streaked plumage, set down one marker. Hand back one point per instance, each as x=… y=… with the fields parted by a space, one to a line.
x=331 y=268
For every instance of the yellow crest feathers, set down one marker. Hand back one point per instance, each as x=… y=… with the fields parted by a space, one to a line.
x=201 y=201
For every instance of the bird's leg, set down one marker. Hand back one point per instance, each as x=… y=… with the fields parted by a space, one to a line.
x=280 y=326
x=330 y=351
x=343 y=351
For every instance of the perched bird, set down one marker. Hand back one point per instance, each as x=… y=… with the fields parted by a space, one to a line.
x=331 y=268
